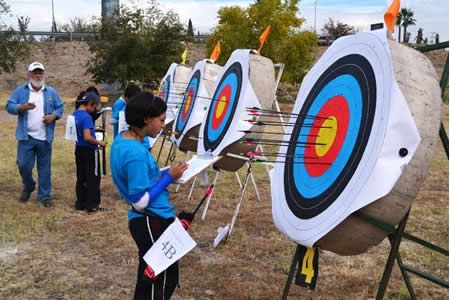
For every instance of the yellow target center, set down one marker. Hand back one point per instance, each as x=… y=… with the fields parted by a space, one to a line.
x=326 y=136
x=220 y=107
x=188 y=104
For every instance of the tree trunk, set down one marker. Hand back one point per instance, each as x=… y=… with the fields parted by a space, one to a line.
x=399 y=33
x=404 y=33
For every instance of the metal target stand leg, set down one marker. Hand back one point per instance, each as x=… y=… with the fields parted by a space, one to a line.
x=292 y=269
x=241 y=197
x=191 y=190
x=170 y=154
x=210 y=196
x=160 y=149
x=238 y=179
x=258 y=197
x=253 y=181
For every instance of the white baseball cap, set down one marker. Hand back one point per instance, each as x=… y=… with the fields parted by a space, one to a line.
x=35 y=65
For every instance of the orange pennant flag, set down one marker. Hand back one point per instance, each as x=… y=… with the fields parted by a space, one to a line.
x=390 y=17
x=263 y=37
x=216 y=52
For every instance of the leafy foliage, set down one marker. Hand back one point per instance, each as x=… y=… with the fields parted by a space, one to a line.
x=406 y=17
x=79 y=25
x=335 y=28
x=239 y=28
x=12 y=47
x=136 y=44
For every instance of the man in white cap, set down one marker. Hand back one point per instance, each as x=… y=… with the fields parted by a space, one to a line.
x=37 y=106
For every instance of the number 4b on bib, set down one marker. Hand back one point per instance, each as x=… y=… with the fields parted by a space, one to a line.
x=308 y=267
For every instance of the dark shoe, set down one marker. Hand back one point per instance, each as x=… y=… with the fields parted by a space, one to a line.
x=47 y=203
x=25 y=196
x=95 y=210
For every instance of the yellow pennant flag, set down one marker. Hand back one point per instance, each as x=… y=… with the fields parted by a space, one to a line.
x=263 y=37
x=216 y=52
x=390 y=17
x=184 y=56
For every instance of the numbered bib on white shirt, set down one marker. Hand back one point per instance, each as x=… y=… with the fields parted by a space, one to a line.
x=122 y=123
x=71 y=129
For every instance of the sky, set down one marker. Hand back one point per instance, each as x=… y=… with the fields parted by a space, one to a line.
x=431 y=15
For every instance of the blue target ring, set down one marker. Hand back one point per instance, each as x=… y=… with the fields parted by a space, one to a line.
x=310 y=187
x=231 y=81
x=191 y=91
x=166 y=89
x=352 y=80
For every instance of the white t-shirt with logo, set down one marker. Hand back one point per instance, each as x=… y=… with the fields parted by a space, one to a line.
x=36 y=126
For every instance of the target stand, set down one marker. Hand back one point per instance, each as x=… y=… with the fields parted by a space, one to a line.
x=396 y=234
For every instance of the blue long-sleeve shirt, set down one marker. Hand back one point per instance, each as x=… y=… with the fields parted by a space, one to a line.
x=52 y=105
x=134 y=171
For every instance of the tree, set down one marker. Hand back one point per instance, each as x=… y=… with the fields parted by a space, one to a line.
x=239 y=28
x=335 y=29
x=399 y=24
x=23 y=23
x=407 y=17
x=190 y=30
x=136 y=44
x=12 y=47
x=79 y=25
x=419 y=37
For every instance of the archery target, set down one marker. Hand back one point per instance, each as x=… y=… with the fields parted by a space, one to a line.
x=335 y=123
x=227 y=115
x=188 y=102
x=339 y=126
x=165 y=89
x=196 y=100
x=171 y=89
x=225 y=100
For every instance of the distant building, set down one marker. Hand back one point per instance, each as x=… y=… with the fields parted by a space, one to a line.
x=109 y=7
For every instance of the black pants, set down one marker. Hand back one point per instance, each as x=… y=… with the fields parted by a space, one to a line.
x=167 y=281
x=88 y=178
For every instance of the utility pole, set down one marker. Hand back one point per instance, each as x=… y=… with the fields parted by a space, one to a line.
x=54 y=29
x=315 y=15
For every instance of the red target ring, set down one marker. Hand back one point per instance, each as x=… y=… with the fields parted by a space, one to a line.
x=328 y=133
x=221 y=107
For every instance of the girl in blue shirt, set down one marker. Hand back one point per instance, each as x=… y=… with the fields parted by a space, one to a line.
x=140 y=182
x=87 y=157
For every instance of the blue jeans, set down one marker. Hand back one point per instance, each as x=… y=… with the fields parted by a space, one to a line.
x=27 y=153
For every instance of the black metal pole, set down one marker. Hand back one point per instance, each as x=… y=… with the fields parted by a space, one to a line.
x=395 y=245
x=292 y=269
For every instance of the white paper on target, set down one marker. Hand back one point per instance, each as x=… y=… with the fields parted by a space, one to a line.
x=174 y=243
x=380 y=166
x=246 y=99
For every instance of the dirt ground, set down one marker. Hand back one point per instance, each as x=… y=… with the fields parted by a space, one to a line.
x=59 y=253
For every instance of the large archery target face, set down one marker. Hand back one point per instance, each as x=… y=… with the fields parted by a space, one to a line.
x=223 y=107
x=188 y=102
x=340 y=122
x=340 y=111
